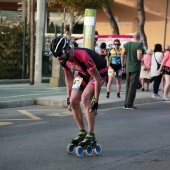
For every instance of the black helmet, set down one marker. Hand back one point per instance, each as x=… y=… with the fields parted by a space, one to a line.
x=58 y=45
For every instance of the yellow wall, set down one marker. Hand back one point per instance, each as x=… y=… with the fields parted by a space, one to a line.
x=126 y=11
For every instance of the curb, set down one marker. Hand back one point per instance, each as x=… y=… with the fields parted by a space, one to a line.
x=63 y=104
x=43 y=102
x=121 y=103
x=16 y=103
x=21 y=81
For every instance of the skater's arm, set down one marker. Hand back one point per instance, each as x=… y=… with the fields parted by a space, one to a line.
x=68 y=81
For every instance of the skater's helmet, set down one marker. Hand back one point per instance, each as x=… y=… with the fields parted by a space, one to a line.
x=58 y=45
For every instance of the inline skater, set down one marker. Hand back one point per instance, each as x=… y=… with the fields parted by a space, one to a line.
x=86 y=86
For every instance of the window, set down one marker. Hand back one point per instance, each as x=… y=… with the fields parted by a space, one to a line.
x=55 y=20
x=9 y=16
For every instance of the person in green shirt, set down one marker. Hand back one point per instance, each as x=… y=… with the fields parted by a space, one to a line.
x=132 y=51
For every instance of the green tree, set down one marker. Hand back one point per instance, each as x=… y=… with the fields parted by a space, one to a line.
x=11 y=51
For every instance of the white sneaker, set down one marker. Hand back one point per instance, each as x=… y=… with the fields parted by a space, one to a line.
x=165 y=99
x=156 y=95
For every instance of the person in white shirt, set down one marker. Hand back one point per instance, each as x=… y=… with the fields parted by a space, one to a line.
x=157 y=58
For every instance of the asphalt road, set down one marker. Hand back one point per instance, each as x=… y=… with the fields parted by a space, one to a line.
x=35 y=138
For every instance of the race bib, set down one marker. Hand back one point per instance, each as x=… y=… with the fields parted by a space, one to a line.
x=77 y=82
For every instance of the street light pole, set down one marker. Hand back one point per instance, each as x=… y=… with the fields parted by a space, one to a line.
x=32 y=37
x=39 y=40
x=166 y=20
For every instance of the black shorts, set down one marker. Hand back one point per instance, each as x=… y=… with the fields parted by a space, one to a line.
x=166 y=70
x=89 y=80
x=117 y=69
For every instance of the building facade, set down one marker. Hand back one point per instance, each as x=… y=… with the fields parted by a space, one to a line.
x=156 y=28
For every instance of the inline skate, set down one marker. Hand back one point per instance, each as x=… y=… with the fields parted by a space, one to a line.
x=88 y=145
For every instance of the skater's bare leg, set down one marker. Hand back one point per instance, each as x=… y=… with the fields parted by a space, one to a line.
x=86 y=101
x=76 y=108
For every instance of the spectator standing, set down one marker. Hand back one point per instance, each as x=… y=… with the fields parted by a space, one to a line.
x=115 y=68
x=96 y=47
x=157 y=58
x=165 y=67
x=145 y=73
x=167 y=47
x=73 y=42
x=103 y=52
x=133 y=52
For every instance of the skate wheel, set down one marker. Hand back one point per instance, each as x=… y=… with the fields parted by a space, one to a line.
x=98 y=149
x=70 y=148
x=79 y=151
x=89 y=150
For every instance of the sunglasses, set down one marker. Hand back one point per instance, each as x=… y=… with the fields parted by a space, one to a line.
x=116 y=44
x=60 y=53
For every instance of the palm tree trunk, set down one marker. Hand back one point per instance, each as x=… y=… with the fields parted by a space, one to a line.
x=112 y=21
x=140 y=21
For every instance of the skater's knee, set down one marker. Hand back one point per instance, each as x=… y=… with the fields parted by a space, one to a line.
x=84 y=100
x=74 y=102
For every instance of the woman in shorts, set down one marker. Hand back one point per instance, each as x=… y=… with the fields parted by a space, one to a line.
x=165 y=68
x=115 y=68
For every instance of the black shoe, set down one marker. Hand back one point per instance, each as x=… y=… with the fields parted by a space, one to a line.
x=143 y=89
x=108 y=95
x=118 y=95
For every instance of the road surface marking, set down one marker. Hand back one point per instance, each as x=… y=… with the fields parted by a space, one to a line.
x=60 y=114
x=33 y=117
x=5 y=123
x=15 y=119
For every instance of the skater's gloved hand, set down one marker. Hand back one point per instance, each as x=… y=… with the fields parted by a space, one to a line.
x=94 y=105
x=68 y=101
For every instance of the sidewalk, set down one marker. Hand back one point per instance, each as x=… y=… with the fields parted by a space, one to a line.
x=19 y=95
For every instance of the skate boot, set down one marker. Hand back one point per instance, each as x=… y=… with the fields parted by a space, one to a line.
x=88 y=145
x=82 y=134
x=74 y=143
x=88 y=140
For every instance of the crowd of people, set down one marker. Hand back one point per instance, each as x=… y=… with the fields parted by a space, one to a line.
x=127 y=61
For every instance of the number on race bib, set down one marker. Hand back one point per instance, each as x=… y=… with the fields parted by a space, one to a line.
x=77 y=82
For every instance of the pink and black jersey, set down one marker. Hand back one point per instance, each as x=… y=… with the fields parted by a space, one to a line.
x=85 y=61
